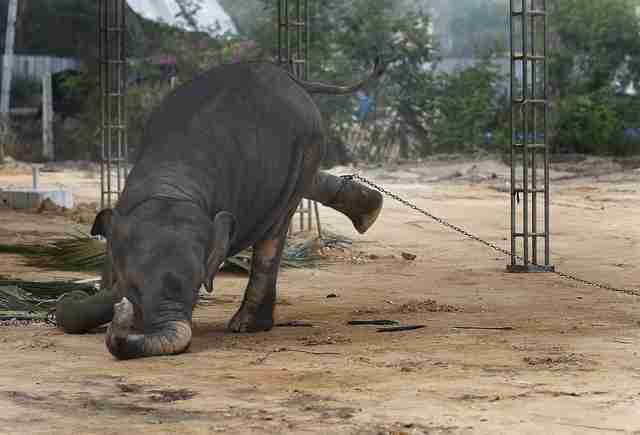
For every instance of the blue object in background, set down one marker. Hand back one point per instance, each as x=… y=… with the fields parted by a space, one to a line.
x=632 y=134
x=488 y=137
x=538 y=138
x=363 y=106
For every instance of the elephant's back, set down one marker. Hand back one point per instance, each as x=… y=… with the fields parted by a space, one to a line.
x=235 y=139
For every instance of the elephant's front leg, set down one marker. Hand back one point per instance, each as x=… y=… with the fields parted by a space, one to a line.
x=256 y=312
x=359 y=203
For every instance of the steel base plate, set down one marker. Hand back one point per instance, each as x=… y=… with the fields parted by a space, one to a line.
x=530 y=268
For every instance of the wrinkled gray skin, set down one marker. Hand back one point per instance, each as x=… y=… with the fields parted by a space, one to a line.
x=224 y=163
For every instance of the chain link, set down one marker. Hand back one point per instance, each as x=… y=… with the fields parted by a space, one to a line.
x=493 y=246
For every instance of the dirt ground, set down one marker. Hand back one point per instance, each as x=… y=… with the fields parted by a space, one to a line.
x=567 y=360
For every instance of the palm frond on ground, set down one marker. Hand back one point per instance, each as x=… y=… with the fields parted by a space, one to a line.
x=81 y=252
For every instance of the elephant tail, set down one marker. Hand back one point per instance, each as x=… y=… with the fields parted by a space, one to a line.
x=328 y=89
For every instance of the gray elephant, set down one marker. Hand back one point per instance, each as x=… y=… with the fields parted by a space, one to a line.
x=224 y=163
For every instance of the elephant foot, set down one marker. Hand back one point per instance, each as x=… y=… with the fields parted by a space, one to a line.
x=359 y=203
x=251 y=320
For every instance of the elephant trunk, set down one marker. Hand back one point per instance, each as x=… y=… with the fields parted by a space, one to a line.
x=173 y=338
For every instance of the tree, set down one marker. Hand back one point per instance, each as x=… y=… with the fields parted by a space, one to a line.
x=468 y=105
x=596 y=56
x=346 y=37
x=593 y=46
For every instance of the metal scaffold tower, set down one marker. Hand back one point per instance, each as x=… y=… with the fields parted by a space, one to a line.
x=112 y=73
x=293 y=51
x=529 y=146
x=294 y=35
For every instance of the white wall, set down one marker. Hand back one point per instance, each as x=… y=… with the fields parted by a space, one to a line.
x=36 y=67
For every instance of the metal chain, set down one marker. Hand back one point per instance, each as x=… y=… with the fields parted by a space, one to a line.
x=478 y=239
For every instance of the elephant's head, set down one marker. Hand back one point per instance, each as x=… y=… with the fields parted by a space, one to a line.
x=159 y=265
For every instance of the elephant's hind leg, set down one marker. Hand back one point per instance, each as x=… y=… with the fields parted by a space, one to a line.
x=257 y=309
x=359 y=203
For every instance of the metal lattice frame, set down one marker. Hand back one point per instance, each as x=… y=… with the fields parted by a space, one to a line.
x=112 y=73
x=529 y=117
x=293 y=51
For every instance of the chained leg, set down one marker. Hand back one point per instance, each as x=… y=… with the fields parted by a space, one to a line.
x=359 y=203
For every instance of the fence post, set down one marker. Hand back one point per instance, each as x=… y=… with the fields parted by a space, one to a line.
x=7 y=64
x=47 y=118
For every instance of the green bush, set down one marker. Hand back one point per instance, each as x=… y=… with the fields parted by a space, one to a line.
x=585 y=125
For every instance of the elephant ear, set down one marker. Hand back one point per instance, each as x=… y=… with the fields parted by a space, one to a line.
x=103 y=223
x=222 y=234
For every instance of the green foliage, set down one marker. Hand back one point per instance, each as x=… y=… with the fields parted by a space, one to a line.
x=414 y=111
x=467 y=106
x=62 y=28
x=585 y=125
x=591 y=45
x=596 y=56
x=346 y=37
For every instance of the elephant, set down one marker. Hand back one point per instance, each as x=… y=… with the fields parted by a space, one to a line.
x=223 y=164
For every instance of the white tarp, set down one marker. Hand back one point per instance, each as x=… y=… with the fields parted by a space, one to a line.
x=209 y=15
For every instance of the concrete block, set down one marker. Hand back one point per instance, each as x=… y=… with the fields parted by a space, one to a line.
x=28 y=198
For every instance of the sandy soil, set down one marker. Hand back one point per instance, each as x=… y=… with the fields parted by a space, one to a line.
x=570 y=365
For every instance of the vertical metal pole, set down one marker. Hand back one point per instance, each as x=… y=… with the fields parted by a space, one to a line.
x=301 y=214
x=47 y=118
x=279 y=11
x=102 y=105
x=525 y=130
x=288 y=33
x=534 y=196
x=112 y=73
x=106 y=96
x=298 y=54
x=547 y=235
x=109 y=80
x=307 y=48
x=122 y=87
x=319 y=227
x=525 y=123
x=7 y=60
x=513 y=132
x=35 y=173
x=117 y=93
x=296 y=18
